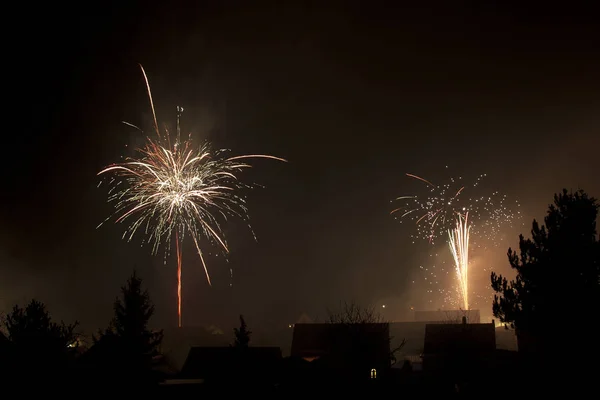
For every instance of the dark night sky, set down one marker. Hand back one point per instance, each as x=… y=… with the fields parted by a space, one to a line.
x=354 y=96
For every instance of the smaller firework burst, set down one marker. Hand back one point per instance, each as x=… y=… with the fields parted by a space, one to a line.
x=440 y=212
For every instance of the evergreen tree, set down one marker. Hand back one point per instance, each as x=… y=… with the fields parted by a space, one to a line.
x=34 y=343
x=557 y=284
x=128 y=341
x=242 y=334
x=33 y=326
x=132 y=314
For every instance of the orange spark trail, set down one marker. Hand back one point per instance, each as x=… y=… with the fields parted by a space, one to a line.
x=151 y=101
x=421 y=179
x=178 y=278
x=257 y=156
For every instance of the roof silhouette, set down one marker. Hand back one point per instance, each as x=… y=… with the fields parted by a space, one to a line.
x=459 y=338
x=304 y=319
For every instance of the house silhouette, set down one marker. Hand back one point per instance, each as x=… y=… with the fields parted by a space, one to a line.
x=351 y=351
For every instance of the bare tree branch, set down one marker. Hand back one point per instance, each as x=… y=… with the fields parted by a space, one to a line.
x=352 y=313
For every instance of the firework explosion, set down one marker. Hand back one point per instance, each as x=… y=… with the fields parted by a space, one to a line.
x=172 y=191
x=453 y=212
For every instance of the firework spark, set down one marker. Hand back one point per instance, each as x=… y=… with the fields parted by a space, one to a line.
x=172 y=189
x=458 y=241
x=434 y=212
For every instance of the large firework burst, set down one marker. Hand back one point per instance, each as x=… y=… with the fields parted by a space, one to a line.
x=172 y=190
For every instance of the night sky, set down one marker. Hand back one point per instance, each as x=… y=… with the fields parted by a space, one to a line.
x=354 y=96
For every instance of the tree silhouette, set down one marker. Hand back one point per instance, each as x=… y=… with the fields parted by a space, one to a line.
x=242 y=334
x=352 y=313
x=33 y=343
x=132 y=315
x=557 y=284
x=128 y=345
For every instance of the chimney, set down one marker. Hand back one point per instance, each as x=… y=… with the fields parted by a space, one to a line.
x=464 y=320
